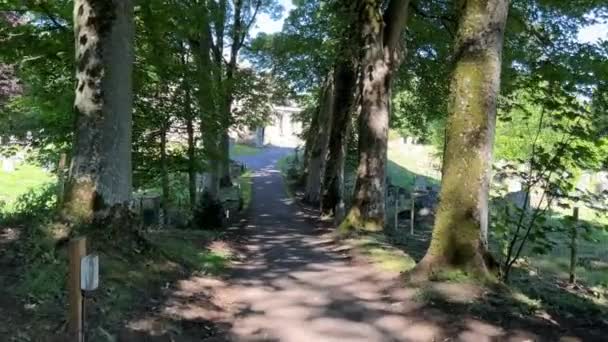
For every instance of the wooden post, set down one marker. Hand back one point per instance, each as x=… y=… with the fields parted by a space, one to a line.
x=573 y=243
x=412 y=213
x=77 y=250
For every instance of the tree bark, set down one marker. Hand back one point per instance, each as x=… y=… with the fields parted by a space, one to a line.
x=318 y=152
x=225 y=177
x=380 y=38
x=311 y=136
x=191 y=153
x=100 y=171
x=460 y=233
x=333 y=184
x=164 y=173
x=207 y=97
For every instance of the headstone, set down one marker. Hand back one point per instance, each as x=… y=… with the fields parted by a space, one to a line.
x=513 y=185
x=8 y=165
x=585 y=181
x=601 y=182
x=518 y=199
x=150 y=207
x=259 y=137
x=420 y=184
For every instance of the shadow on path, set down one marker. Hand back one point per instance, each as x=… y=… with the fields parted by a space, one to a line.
x=292 y=284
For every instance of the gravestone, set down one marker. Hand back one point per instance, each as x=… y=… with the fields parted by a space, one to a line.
x=585 y=181
x=8 y=165
x=259 y=137
x=420 y=184
x=150 y=210
x=518 y=199
x=601 y=182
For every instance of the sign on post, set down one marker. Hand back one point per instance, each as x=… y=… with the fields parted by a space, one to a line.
x=89 y=273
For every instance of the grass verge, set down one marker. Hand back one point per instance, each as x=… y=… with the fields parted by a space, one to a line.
x=17 y=183
x=240 y=150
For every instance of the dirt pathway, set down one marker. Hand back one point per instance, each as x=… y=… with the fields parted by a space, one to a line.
x=292 y=284
x=293 y=288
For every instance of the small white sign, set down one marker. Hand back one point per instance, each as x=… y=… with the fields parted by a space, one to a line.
x=89 y=272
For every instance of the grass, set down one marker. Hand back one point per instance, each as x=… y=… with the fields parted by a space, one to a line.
x=408 y=161
x=239 y=150
x=25 y=177
x=182 y=249
x=129 y=279
x=381 y=253
x=592 y=266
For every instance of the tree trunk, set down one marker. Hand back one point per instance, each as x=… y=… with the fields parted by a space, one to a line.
x=100 y=171
x=333 y=185
x=191 y=155
x=225 y=177
x=318 y=152
x=380 y=42
x=192 y=164
x=164 y=173
x=460 y=233
x=311 y=136
x=207 y=97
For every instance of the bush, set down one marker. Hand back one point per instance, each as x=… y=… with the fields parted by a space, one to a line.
x=36 y=205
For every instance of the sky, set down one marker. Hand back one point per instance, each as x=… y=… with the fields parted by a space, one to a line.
x=589 y=34
x=267 y=25
x=593 y=33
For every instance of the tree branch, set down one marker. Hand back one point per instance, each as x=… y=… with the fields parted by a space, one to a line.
x=395 y=18
x=52 y=18
x=444 y=19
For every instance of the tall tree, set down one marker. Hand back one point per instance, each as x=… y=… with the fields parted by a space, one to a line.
x=460 y=232
x=209 y=80
x=100 y=172
x=320 y=143
x=345 y=79
x=245 y=13
x=380 y=38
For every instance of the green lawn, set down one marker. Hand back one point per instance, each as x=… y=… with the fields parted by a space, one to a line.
x=240 y=150
x=24 y=178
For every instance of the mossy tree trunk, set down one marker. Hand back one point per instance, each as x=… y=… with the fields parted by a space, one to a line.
x=100 y=171
x=460 y=233
x=318 y=152
x=380 y=41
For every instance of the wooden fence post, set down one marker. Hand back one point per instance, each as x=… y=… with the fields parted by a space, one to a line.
x=77 y=250
x=573 y=243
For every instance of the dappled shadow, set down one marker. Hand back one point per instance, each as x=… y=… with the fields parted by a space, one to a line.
x=292 y=284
